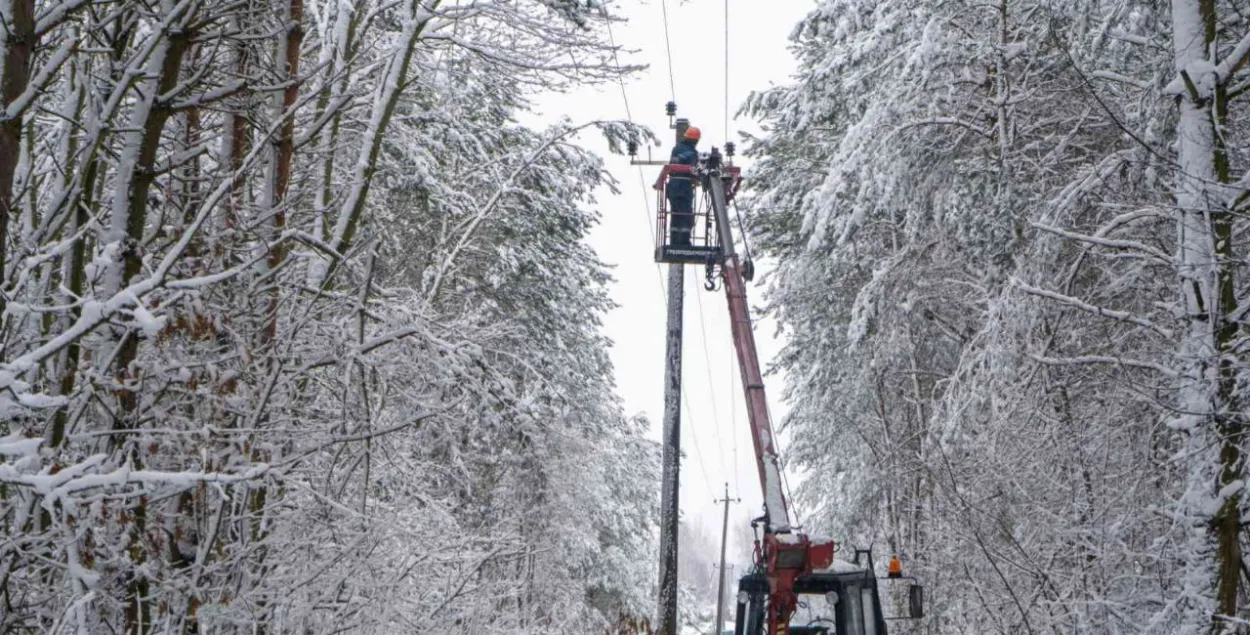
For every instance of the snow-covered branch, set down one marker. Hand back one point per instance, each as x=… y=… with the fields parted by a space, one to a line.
x=1086 y=360
x=1115 y=243
x=1236 y=60
x=1123 y=79
x=1123 y=316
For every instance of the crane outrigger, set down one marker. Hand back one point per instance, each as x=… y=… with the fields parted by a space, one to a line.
x=788 y=563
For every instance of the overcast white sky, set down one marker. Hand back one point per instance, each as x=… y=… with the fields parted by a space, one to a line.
x=715 y=434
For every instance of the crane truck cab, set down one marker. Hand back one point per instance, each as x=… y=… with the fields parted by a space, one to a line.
x=843 y=599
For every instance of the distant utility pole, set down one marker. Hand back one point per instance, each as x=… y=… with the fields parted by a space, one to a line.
x=670 y=480
x=730 y=569
x=724 y=535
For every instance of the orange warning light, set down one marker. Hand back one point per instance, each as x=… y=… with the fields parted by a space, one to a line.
x=896 y=567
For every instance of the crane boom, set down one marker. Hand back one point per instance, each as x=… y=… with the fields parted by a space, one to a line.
x=749 y=366
x=757 y=407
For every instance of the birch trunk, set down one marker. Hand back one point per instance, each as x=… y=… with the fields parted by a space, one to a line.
x=1207 y=284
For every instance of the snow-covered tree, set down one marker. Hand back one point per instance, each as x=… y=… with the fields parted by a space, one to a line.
x=1000 y=259
x=299 y=333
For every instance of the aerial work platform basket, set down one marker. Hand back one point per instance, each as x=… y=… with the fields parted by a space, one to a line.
x=705 y=240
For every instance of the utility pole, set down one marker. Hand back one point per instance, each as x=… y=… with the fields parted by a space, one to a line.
x=669 y=509
x=724 y=535
x=730 y=569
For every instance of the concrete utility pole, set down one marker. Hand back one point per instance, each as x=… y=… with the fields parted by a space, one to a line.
x=669 y=509
x=724 y=535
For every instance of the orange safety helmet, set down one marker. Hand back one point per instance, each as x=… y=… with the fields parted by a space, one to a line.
x=692 y=134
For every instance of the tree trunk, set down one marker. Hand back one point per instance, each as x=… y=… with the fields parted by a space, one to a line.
x=1207 y=281
x=135 y=176
x=19 y=46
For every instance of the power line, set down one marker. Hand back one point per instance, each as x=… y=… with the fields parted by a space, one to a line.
x=733 y=422
x=711 y=385
x=668 y=52
x=694 y=434
x=621 y=79
x=742 y=230
x=727 y=137
x=794 y=503
x=642 y=183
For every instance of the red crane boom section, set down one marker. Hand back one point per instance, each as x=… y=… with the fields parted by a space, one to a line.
x=753 y=389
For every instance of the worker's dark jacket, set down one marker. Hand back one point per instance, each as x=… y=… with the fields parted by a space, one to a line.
x=680 y=186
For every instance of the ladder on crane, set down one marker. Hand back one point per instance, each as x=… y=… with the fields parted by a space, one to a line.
x=788 y=562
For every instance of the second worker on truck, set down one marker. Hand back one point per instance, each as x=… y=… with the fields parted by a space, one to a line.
x=681 y=190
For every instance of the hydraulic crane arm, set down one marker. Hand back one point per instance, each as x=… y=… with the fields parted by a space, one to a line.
x=749 y=365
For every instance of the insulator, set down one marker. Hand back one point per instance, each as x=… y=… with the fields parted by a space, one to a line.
x=729 y=148
x=632 y=147
x=671 y=108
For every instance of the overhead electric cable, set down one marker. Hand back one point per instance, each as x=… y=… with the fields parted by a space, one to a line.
x=785 y=481
x=642 y=182
x=733 y=426
x=742 y=231
x=711 y=385
x=668 y=52
x=727 y=137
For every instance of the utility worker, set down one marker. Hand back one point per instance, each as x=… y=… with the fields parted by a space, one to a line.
x=680 y=190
